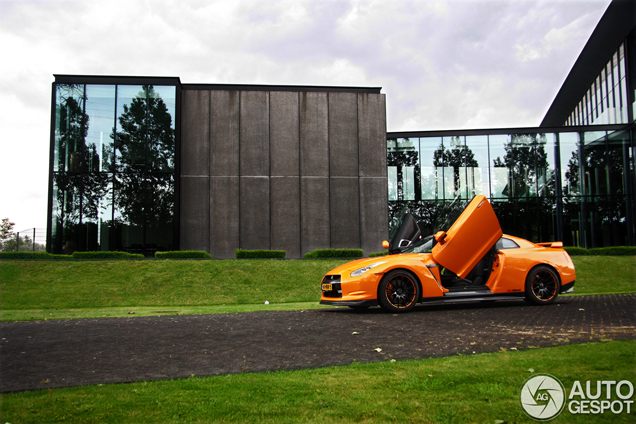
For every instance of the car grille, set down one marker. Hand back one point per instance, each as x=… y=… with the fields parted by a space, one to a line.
x=334 y=280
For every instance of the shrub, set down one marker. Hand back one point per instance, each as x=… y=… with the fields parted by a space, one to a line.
x=335 y=253
x=107 y=255
x=260 y=254
x=183 y=254
x=374 y=254
x=31 y=255
x=602 y=251
x=576 y=251
x=613 y=251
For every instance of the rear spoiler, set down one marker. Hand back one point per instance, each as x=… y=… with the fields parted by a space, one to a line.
x=554 y=244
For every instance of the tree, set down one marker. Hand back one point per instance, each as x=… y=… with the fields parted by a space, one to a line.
x=457 y=157
x=526 y=160
x=6 y=232
x=80 y=191
x=145 y=144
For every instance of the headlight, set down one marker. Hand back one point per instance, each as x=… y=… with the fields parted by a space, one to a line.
x=361 y=271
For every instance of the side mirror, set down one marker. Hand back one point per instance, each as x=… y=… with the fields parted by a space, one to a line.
x=440 y=236
x=385 y=244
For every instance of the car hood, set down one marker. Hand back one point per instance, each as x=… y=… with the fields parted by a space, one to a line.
x=469 y=238
x=360 y=263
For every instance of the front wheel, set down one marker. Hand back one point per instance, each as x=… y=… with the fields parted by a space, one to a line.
x=542 y=285
x=399 y=291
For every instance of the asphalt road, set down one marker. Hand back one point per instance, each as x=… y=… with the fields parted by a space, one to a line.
x=47 y=354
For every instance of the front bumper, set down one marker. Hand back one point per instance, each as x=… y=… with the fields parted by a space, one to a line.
x=354 y=303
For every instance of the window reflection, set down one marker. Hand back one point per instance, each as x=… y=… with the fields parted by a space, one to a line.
x=432 y=184
x=499 y=173
x=114 y=163
x=100 y=107
x=542 y=185
x=71 y=124
x=606 y=100
x=478 y=181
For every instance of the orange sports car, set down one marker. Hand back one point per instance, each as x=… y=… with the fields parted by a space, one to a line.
x=471 y=261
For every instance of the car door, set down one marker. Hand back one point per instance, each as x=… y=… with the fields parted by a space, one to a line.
x=469 y=238
x=405 y=235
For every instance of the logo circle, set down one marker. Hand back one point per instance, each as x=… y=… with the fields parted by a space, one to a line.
x=542 y=397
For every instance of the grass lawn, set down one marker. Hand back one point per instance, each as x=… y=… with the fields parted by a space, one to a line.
x=461 y=389
x=88 y=289
x=33 y=290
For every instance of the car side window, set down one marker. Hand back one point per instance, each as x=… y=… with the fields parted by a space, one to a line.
x=505 y=243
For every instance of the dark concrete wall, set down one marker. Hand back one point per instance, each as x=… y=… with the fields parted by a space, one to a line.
x=282 y=170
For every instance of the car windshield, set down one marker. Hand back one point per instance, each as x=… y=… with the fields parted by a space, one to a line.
x=423 y=245
x=443 y=221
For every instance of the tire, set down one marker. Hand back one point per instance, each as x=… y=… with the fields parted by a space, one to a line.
x=399 y=291
x=542 y=285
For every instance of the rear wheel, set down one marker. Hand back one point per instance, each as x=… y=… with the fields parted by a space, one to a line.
x=399 y=291
x=542 y=285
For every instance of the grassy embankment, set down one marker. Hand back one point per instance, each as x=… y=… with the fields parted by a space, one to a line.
x=461 y=389
x=88 y=289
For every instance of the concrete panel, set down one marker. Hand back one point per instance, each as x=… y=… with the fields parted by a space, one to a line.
x=344 y=197
x=224 y=216
x=224 y=133
x=195 y=213
x=314 y=213
x=195 y=132
x=372 y=130
x=343 y=135
x=255 y=213
x=374 y=214
x=314 y=135
x=285 y=207
x=284 y=134
x=254 y=138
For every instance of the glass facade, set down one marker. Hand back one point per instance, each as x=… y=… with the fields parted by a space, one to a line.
x=576 y=187
x=113 y=168
x=607 y=100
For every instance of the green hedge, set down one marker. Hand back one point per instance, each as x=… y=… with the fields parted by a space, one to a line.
x=602 y=251
x=107 y=255
x=31 y=255
x=260 y=254
x=614 y=251
x=183 y=254
x=335 y=253
x=374 y=254
x=576 y=251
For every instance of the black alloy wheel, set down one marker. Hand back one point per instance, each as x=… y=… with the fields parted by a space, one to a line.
x=399 y=291
x=542 y=285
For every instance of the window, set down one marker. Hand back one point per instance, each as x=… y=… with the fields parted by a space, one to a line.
x=505 y=243
x=113 y=168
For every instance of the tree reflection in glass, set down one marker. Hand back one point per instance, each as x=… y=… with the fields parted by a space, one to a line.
x=144 y=184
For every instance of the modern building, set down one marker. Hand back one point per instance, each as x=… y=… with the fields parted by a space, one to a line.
x=142 y=164
x=571 y=179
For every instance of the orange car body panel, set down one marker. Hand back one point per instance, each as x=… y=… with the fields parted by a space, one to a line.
x=518 y=262
x=469 y=238
x=366 y=286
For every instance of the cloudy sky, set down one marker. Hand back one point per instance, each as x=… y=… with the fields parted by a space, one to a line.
x=443 y=64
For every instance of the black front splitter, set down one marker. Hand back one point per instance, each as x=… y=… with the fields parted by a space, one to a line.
x=354 y=303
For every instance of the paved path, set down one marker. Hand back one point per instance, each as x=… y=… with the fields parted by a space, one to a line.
x=42 y=354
